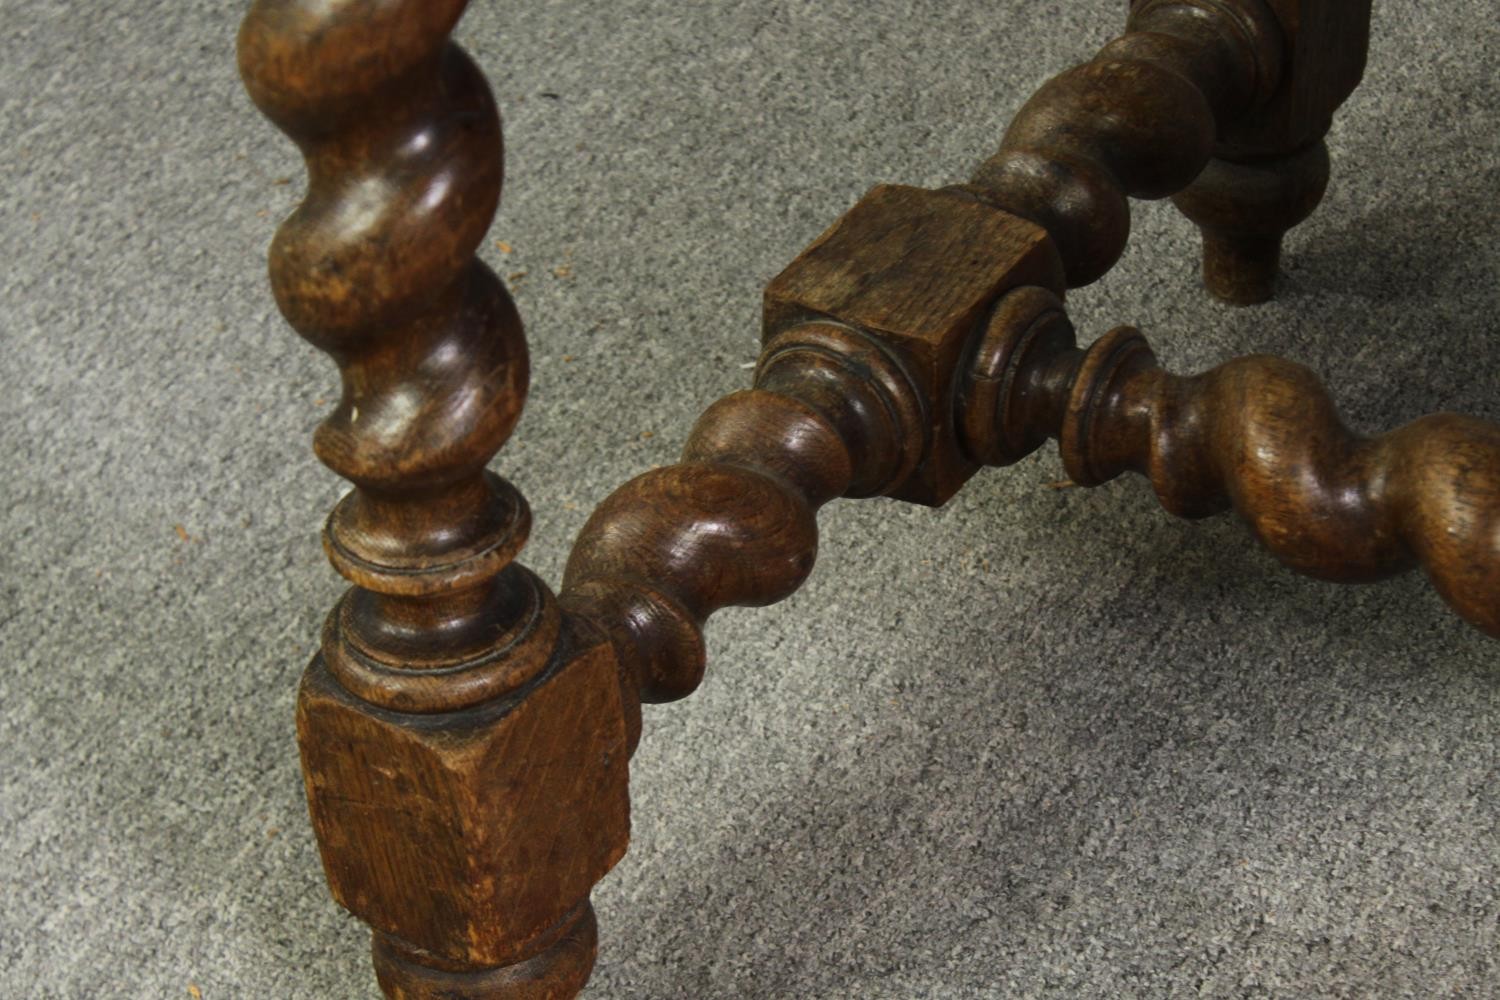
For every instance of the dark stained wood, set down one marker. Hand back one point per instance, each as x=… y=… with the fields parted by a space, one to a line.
x=1270 y=165
x=1325 y=44
x=465 y=733
x=558 y=973
x=470 y=834
x=1244 y=209
x=853 y=397
x=1139 y=120
x=918 y=270
x=464 y=741
x=1258 y=435
x=734 y=522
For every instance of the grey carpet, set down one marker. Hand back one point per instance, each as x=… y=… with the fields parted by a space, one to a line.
x=1039 y=743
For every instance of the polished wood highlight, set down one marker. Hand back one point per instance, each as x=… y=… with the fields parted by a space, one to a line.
x=465 y=733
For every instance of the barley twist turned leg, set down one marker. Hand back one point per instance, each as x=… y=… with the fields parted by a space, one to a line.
x=463 y=741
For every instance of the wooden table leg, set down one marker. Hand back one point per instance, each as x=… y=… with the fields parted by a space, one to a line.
x=464 y=741
x=1270 y=168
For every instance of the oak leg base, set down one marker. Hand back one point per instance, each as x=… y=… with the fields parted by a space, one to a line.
x=558 y=973
x=1240 y=268
x=1244 y=209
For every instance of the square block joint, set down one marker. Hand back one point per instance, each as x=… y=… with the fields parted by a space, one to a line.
x=919 y=270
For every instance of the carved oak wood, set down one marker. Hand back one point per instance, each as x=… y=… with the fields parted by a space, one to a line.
x=1270 y=166
x=465 y=733
x=1258 y=435
x=462 y=739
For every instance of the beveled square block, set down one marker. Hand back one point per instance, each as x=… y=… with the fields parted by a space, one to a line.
x=919 y=270
x=470 y=834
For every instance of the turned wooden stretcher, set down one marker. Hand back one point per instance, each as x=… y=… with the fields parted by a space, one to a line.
x=465 y=733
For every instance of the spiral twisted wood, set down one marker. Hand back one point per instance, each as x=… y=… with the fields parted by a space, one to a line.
x=454 y=728
x=734 y=522
x=465 y=739
x=1259 y=435
x=1139 y=120
x=376 y=267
